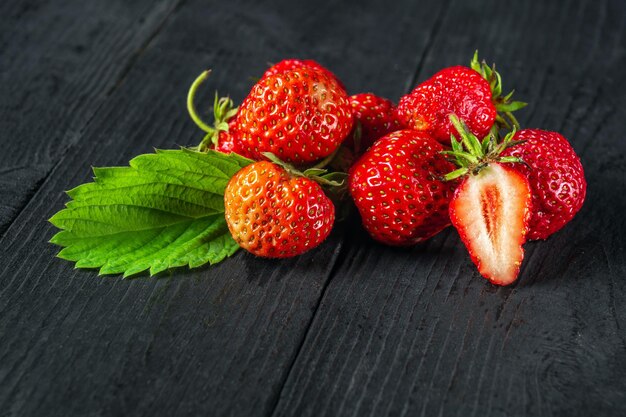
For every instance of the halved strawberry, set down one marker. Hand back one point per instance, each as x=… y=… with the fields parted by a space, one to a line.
x=490 y=210
x=491 y=207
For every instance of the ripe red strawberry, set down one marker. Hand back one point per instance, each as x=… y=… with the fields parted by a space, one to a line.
x=491 y=207
x=556 y=178
x=397 y=188
x=490 y=210
x=300 y=115
x=275 y=214
x=291 y=64
x=473 y=94
x=226 y=142
x=377 y=116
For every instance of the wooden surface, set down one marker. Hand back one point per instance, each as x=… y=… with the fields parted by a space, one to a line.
x=352 y=328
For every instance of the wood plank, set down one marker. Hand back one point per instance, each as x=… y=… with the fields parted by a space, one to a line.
x=418 y=332
x=213 y=341
x=60 y=61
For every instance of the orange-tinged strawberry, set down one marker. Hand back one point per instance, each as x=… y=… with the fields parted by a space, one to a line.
x=275 y=214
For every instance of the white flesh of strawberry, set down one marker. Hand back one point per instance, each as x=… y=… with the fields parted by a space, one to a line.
x=490 y=210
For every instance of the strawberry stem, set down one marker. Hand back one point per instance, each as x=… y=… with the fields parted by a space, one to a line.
x=504 y=105
x=455 y=174
x=467 y=138
x=319 y=175
x=324 y=162
x=191 y=108
x=223 y=111
x=476 y=155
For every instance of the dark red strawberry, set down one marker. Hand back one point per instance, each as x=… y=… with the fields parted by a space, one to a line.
x=275 y=214
x=397 y=188
x=377 y=117
x=473 y=94
x=291 y=64
x=301 y=115
x=556 y=178
x=492 y=205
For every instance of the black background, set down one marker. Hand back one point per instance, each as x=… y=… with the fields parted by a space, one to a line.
x=351 y=328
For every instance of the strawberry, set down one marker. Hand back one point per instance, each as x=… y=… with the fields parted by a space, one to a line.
x=556 y=178
x=492 y=205
x=290 y=64
x=218 y=136
x=377 y=117
x=226 y=142
x=473 y=94
x=274 y=214
x=490 y=210
x=301 y=115
x=397 y=188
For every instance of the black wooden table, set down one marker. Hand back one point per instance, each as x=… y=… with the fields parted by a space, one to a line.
x=351 y=328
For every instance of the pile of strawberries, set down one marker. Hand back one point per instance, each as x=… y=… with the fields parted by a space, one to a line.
x=450 y=152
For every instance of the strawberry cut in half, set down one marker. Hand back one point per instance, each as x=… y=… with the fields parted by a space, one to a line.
x=491 y=207
x=490 y=210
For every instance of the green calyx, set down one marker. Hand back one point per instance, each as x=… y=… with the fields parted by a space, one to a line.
x=223 y=110
x=335 y=180
x=504 y=106
x=471 y=155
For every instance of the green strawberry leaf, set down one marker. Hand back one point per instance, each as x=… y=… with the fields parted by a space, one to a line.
x=510 y=106
x=165 y=210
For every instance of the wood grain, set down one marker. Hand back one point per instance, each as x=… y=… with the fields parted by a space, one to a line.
x=352 y=328
x=418 y=332
x=213 y=341
x=60 y=61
